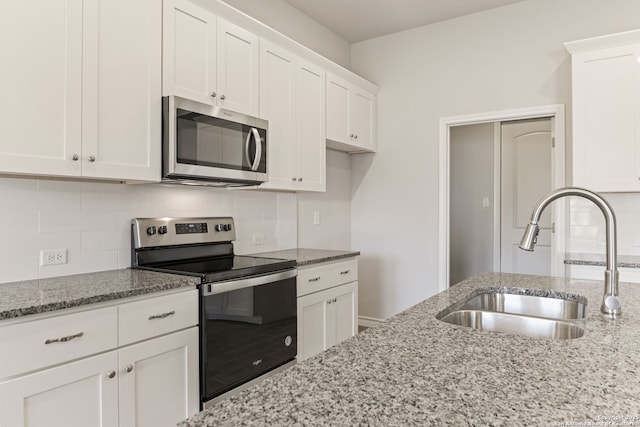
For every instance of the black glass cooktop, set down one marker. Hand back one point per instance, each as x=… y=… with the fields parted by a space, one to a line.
x=224 y=268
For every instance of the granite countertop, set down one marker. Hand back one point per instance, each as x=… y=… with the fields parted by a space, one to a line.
x=56 y=293
x=624 y=261
x=416 y=370
x=304 y=256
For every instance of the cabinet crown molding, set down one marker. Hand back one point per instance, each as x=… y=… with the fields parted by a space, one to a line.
x=603 y=42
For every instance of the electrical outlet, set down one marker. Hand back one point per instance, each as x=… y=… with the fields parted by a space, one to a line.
x=258 y=239
x=53 y=257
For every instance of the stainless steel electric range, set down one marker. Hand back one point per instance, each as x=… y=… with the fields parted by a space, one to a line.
x=248 y=322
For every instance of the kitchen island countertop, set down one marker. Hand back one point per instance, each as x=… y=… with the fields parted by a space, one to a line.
x=413 y=369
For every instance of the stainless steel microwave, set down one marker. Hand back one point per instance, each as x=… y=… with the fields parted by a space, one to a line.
x=206 y=144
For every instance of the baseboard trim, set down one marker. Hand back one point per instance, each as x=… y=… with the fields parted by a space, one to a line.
x=368 y=322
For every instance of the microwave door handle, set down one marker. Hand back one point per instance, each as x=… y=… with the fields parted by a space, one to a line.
x=247 y=144
x=258 y=157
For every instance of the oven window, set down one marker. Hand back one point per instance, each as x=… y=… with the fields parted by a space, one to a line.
x=209 y=141
x=246 y=333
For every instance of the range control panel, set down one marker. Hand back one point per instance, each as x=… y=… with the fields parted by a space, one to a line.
x=151 y=232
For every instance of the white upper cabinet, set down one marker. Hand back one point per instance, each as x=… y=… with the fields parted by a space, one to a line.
x=277 y=105
x=311 y=127
x=40 y=114
x=606 y=112
x=208 y=59
x=122 y=101
x=238 y=53
x=350 y=116
x=292 y=99
x=189 y=52
x=82 y=91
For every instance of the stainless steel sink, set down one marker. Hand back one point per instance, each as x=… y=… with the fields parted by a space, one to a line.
x=528 y=315
x=527 y=305
x=535 y=327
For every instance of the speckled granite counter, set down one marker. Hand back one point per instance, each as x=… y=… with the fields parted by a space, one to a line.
x=624 y=261
x=308 y=256
x=415 y=370
x=43 y=295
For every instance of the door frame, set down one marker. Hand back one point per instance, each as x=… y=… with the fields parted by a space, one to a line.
x=556 y=113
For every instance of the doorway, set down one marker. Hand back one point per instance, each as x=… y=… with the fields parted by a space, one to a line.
x=486 y=231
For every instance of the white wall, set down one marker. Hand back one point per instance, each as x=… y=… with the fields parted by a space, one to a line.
x=286 y=19
x=92 y=221
x=471 y=179
x=504 y=58
x=334 y=208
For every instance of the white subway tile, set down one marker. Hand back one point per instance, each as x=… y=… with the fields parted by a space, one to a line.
x=19 y=221
x=53 y=195
x=16 y=269
x=113 y=197
x=19 y=245
x=70 y=240
x=100 y=240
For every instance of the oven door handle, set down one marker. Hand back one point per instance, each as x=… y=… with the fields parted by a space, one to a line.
x=234 y=285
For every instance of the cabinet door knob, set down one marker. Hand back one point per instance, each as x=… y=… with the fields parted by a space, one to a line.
x=92 y=159
x=355 y=136
x=352 y=135
x=213 y=94
x=223 y=97
x=75 y=157
x=111 y=374
x=295 y=179
x=129 y=368
x=300 y=179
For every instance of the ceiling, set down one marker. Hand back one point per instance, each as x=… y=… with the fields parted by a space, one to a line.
x=357 y=20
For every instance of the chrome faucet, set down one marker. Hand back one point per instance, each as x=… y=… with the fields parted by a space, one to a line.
x=610 y=299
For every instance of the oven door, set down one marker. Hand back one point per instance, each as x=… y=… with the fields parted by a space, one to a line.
x=207 y=143
x=247 y=328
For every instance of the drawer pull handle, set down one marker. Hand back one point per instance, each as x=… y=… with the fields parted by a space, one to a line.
x=64 y=339
x=163 y=315
x=345 y=272
x=314 y=279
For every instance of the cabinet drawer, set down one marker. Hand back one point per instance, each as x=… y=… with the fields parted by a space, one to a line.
x=45 y=342
x=314 y=279
x=148 y=318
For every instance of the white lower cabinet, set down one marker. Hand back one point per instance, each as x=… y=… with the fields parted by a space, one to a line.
x=156 y=380
x=152 y=382
x=77 y=394
x=329 y=315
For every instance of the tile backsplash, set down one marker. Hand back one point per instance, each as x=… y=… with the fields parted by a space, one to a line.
x=92 y=221
x=587 y=225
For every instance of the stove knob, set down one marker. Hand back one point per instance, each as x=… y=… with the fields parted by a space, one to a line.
x=151 y=230
x=219 y=227
x=227 y=227
x=162 y=229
